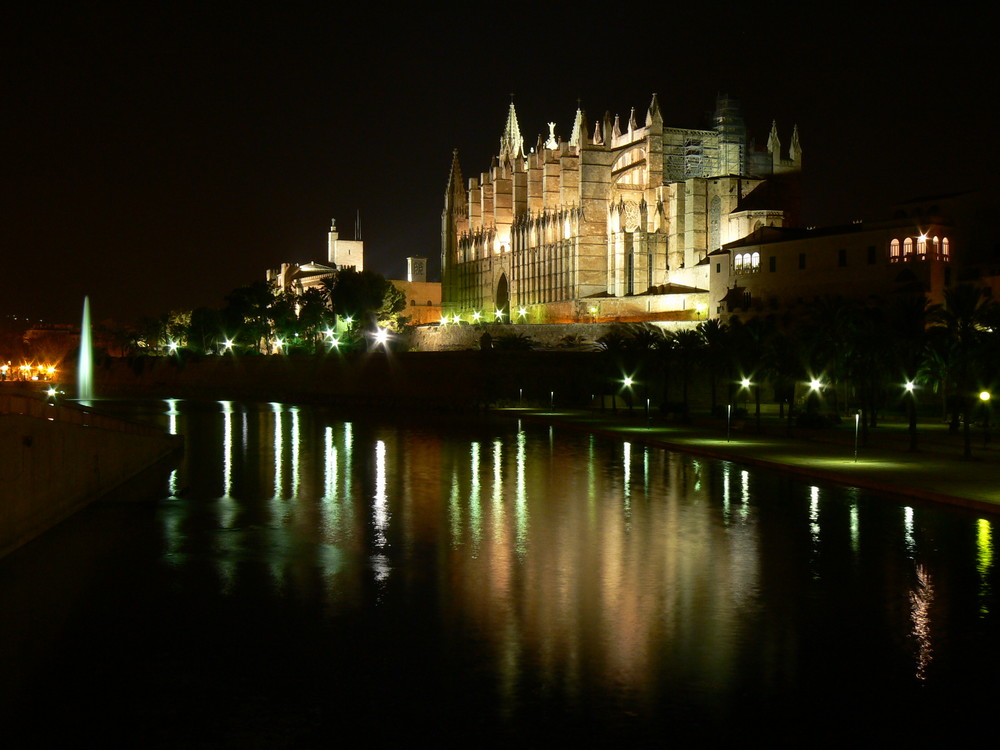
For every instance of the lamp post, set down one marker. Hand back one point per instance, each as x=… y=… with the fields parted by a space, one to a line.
x=984 y=396
x=627 y=382
x=729 y=421
x=911 y=407
x=857 y=423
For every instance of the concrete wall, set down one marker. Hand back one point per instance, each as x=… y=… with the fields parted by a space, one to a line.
x=55 y=460
x=436 y=338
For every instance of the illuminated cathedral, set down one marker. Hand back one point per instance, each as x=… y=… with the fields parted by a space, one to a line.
x=615 y=223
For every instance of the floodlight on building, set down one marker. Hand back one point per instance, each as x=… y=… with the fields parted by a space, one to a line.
x=522 y=312
x=498 y=314
x=279 y=343
x=476 y=315
x=173 y=346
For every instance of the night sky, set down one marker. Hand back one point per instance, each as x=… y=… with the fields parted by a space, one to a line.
x=156 y=157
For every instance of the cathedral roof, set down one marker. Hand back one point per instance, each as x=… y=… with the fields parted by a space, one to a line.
x=511 y=142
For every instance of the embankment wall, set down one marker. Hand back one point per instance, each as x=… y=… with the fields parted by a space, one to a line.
x=55 y=460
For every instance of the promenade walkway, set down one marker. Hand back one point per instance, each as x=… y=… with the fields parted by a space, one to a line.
x=935 y=472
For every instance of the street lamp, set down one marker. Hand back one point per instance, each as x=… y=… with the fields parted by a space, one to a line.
x=627 y=382
x=984 y=396
x=911 y=406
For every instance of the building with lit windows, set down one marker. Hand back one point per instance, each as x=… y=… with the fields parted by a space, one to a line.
x=615 y=222
x=782 y=269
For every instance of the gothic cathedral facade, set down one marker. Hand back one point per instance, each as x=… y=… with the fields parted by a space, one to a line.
x=615 y=223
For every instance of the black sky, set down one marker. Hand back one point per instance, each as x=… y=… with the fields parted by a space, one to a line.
x=155 y=158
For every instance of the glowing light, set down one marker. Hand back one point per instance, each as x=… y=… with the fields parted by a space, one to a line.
x=815 y=384
x=328 y=333
x=173 y=345
x=522 y=312
x=85 y=371
x=227 y=344
x=984 y=396
x=745 y=382
x=628 y=382
x=279 y=343
x=498 y=313
x=910 y=385
x=381 y=336
x=476 y=316
x=334 y=342
x=348 y=320
x=52 y=392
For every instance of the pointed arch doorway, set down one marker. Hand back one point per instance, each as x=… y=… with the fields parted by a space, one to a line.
x=502 y=298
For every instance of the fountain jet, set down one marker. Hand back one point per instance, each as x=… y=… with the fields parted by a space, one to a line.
x=85 y=368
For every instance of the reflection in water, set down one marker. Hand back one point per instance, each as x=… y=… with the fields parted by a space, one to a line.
x=984 y=562
x=380 y=511
x=172 y=415
x=921 y=598
x=278 y=449
x=480 y=572
x=909 y=540
x=295 y=451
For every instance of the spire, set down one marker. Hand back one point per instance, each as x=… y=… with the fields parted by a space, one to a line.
x=616 y=132
x=631 y=121
x=579 y=134
x=511 y=142
x=454 y=192
x=598 y=138
x=773 y=144
x=795 y=150
x=653 y=113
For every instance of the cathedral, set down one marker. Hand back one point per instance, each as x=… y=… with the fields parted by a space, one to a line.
x=615 y=223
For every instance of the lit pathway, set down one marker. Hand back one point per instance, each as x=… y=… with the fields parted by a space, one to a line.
x=936 y=472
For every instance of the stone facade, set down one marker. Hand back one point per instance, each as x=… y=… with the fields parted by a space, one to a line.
x=622 y=212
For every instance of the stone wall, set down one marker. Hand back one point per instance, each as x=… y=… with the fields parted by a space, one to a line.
x=436 y=338
x=56 y=460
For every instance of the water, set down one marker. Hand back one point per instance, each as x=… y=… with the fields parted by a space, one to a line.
x=85 y=367
x=297 y=578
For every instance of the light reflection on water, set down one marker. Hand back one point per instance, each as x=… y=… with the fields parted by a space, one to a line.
x=530 y=576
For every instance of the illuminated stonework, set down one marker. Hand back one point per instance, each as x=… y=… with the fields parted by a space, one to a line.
x=618 y=218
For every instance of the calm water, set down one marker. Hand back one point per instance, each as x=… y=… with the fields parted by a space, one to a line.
x=297 y=578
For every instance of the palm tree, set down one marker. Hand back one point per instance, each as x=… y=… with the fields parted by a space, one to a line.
x=965 y=316
x=717 y=355
x=907 y=317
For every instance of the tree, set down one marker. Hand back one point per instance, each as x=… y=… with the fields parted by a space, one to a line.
x=964 y=319
x=247 y=314
x=365 y=297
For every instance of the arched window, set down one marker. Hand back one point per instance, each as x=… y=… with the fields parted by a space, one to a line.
x=907 y=247
x=894 y=251
x=945 y=249
x=936 y=252
x=922 y=247
x=755 y=262
x=738 y=263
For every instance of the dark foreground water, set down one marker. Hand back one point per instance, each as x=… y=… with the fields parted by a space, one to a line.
x=297 y=579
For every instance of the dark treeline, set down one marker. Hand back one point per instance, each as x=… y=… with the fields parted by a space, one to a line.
x=260 y=318
x=839 y=358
